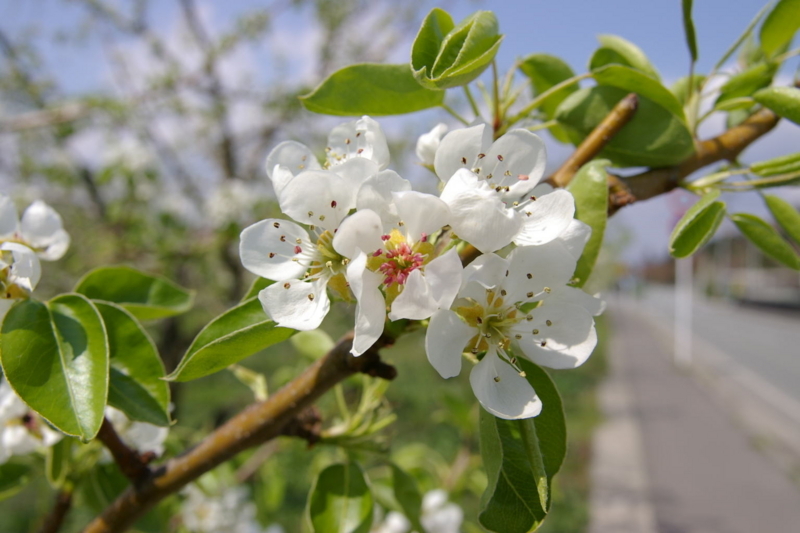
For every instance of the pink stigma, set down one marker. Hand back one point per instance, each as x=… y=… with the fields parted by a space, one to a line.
x=402 y=262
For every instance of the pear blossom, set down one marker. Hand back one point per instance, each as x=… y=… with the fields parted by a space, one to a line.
x=393 y=260
x=490 y=188
x=517 y=305
x=428 y=143
x=40 y=228
x=230 y=511
x=140 y=436
x=438 y=516
x=21 y=430
x=20 y=271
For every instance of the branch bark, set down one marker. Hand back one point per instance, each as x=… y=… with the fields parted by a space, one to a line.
x=255 y=425
x=133 y=465
x=54 y=520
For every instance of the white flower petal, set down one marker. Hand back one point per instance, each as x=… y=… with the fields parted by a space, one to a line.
x=568 y=338
x=420 y=213
x=444 y=277
x=358 y=138
x=575 y=237
x=294 y=156
x=317 y=197
x=546 y=218
x=459 y=149
x=416 y=302
x=25 y=268
x=517 y=153
x=502 y=391
x=356 y=171
x=488 y=269
x=445 y=341
x=42 y=228
x=575 y=296
x=376 y=194
x=477 y=215
x=428 y=143
x=278 y=239
x=296 y=304
x=532 y=269
x=360 y=231
x=371 y=307
x=9 y=220
x=280 y=177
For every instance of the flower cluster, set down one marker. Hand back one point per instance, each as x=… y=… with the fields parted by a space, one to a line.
x=39 y=234
x=371 y=239
x=21 y=430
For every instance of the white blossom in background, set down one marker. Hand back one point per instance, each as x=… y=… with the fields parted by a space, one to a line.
x=438 y=516
x=428 y=143
x=234 y=201
x=393 y=262
x=40 y=228
x=517 y=305
x=140 y=436
x=229 y=512
x=21 y=430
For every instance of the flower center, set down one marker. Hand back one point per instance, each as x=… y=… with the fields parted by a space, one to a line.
x=402 y=261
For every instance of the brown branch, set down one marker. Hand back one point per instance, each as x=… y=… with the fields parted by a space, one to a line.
x=54 y=520
x=594 y=143
x=726 y=146
x=255 y=425
x=130 y=462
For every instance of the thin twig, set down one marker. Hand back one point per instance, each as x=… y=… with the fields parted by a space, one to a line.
x=594 y=143
x=255 y=425
x=130 y=462
x=54 y=520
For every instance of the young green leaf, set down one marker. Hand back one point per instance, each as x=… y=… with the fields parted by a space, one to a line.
x=697 y=225
x=313 y=344
x=137 y=386
x=436 y=26
x=57 y=462
x=257 y=286
x=767 y=239
x=407 y=494
x=13 y=478
x=732 y=104
x=784 y=164
x=635 y=81
x=681 y=88
x=55 y=356
x=688 y=28
x=747 y=82
x=521 y=457
x=780 y=26
x=146 y=296
x=371 y=89
x=341 y=501
x=546 y=71
x=784 y=101
x=785 y=215
x=654 y=137
x=616 y=50
x=590 y=189
x=237 y=333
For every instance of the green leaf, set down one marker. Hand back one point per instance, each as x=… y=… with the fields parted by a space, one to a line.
x=313 y=344
x=785 y=215
x=57 y=462
x=616 y=50
x=257 y=286
x=521 y=457
x=341 y=501
x=747 y=82
x=590 y=189
x=137 y=386
x=462 y=54
x=784 y=164
x=733 y=104
x=546 y=71
x=688 y=28
x=780 y=26
x=681 y=88
x=767 y=239
x=55 y=357
x=371 y=89
x=407 y=494
x=654 y=137
x=13 y=478
x=146 y=296
x=635 y=81
x=237 y=333
x=697 y=225
x=255 y=381
x=784 y=101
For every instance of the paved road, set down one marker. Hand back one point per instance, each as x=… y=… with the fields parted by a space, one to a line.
x=702 y=472
x=765 y=341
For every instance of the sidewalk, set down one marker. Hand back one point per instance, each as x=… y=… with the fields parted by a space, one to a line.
x=670 y=459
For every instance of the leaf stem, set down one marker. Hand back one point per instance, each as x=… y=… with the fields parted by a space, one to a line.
x=472 y=102
x=536 y=102
x=786 y=55
x=454 y=114
x=498 y=121
x=543 y=125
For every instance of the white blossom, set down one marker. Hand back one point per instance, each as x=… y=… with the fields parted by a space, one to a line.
x=437 y=516
x=518 y=305
x=428 y=143
x=21 y=430
x=230 y=511
x=40 y=228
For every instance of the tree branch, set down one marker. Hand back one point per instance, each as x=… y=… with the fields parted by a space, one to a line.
x=54 y=520
x=255 y=425
x=130 y=462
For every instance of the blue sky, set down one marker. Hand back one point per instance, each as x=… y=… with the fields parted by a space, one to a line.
x=567 y=28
